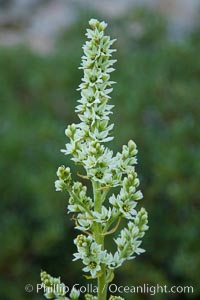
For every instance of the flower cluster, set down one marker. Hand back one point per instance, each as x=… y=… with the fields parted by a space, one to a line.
x=54 y=289
x=99 y=217
x=90 y=253
x=64 y=181
x=127 y=242
x=52 y=286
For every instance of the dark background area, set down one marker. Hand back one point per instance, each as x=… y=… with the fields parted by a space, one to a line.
x=156 y=104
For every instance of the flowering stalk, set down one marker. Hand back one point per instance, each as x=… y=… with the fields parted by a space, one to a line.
x=99 y=217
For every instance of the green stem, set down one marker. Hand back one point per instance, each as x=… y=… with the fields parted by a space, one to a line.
x=102 y=285
x=99 y=238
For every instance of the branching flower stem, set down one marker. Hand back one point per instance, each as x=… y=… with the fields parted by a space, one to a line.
x=99 y=217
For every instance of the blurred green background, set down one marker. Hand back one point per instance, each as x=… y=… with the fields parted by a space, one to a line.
x=156 y=104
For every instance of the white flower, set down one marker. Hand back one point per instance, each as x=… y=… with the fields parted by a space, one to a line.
x=73 y=208
x=60 y=185
x=115 y=200
x=92 y=266
x=71 y=148
x=101 y=136
x=84 y=222
x=115 y=261
x=95 y=250
x=104 y=216
x=101 y=175
x=92 y=256
x=127 y=209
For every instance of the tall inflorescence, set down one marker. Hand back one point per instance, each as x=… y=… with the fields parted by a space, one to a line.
x=99 y=217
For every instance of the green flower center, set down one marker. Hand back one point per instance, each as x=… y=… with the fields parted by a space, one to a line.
x=93 y=265
x=93 y=78
x=91 y=99
x=99 y=174
x=126 y=207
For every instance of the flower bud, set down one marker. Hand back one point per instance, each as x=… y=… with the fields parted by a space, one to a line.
x=64 y=174
x=93 y=23
x=137 y=196
x=74 y=294
x=71 y=129
x=82 y=241
x=131 y=145
x=102 y=26
x=60 y=185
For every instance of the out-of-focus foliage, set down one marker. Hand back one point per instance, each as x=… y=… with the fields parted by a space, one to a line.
x=157 y=104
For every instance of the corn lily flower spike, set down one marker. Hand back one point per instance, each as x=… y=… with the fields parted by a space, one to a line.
x=98 y=218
